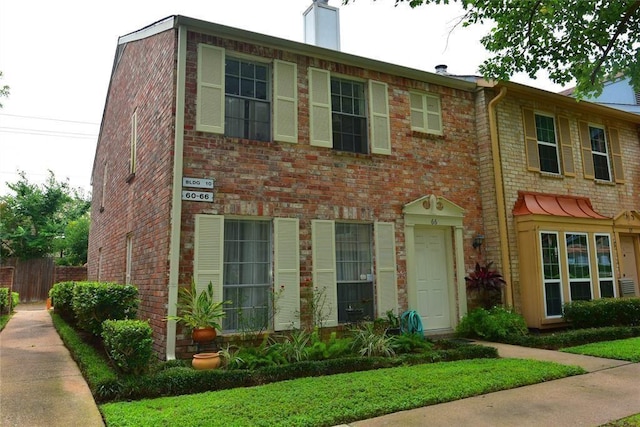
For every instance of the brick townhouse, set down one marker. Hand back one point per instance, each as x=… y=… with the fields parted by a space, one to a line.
x=560 y=184
x=265 y=165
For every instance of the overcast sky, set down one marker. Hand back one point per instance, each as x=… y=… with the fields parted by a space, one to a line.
x=57 y=56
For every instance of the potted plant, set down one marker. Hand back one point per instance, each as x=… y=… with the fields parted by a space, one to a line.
x=487 y=285
x=199 y=312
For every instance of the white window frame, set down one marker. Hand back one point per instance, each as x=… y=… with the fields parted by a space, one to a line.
x=600 y=153
x=134 y=142
x=425 y=113
x=546 y=281
x=599 y=279
x=129 y=259
x=576 y=280
x=548 y=144
x=364 y=114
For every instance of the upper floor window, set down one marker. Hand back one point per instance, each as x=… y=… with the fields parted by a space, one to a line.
x=348 y=116
x=340 y=118
x=426 y=113
x=247 y=105
x=547 y=144
x=599 y=153
x=241 y=98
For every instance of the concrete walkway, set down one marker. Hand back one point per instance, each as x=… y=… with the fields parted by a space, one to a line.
x=610 y=391
x=40 y=385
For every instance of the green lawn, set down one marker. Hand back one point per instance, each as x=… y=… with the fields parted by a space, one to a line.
x=336 y=399
x=627 y=349
x=4 y=319
x=632 y=421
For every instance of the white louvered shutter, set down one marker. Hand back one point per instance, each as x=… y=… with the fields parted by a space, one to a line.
x=285 y=108
x=386 y=283
x=210 y=98
x=323 y=247
x=379 y=113
x=287 y=273
x=208 y=253
x=320 y=108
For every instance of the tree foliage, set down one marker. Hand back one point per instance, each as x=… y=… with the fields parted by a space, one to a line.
x=35 y=220
x=589 y=41
x=4 y=90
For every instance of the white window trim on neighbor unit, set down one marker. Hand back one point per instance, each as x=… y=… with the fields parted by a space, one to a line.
x=208 y=263
x=613 y=152
x=129 y=259
x=563 y=143
x=426 y=113
x=320 y=112
x=211 y=97
x=595 y=279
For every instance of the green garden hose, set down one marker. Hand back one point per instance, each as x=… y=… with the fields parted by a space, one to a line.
x=410 y=323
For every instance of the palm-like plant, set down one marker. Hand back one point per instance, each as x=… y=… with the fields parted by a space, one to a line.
x=487 y=283
x=199 y=310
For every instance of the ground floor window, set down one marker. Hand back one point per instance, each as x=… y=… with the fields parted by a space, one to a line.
x=247 y=274
x=354 y=269
x=574 y=279
x=551 y=274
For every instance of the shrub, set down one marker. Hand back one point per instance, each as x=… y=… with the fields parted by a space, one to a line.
x=93 y=303
x=496 y=324
x=487 y=284
x=410 y=343
x=557 y=340
x=369 y=342
x=128 y=344
x=61 y=295
x=15 y=299
x=4 y=300
x=603 y=312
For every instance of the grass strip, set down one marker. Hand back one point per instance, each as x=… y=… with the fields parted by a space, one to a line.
x=336 y=399
x=628 y=349
x=4 y=319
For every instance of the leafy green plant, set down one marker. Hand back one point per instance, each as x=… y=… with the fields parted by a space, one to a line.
x=410 y=343
x=368 y=342
x=496 y=324
x=128 y=344
x=487 y=284
x=94 y=302
x=15 y=298
x=62 y=299
x=199 y=309
x=230 y=358
x=294 y=346
x=4 y=300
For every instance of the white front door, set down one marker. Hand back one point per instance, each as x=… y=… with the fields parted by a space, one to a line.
x=629 y=267
x=431 y=279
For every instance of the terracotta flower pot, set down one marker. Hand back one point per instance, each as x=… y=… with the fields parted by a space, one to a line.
x=206 y=361
x=204 y=334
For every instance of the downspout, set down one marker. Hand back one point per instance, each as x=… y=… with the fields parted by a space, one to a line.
x=176 y=199
x=500 y=202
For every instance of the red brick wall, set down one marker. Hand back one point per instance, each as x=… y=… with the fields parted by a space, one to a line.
x=260 y=178
x=6 y=277
x=299 y=180
x=63 y=273
x=143 y=79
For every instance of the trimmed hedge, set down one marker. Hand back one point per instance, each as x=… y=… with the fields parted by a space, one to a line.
x=94 y=302
x=61 y=295
x=558 y=340
x=128 y=344
x=603 y=312
x=4 y=300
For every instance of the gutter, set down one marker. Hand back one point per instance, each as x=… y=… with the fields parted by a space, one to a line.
x=176 y=198
x=500 y=202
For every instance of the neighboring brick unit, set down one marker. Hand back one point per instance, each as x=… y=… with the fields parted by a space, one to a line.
x=609 y=199
x=65 y=273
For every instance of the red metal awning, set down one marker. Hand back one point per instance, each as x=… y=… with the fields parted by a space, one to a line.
x=529 y=203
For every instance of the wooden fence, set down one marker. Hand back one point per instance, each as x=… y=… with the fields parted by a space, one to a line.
x=33 y=278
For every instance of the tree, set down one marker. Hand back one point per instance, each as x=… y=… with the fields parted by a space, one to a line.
x=591 y=41
x=34 y=221
x=4 y=90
